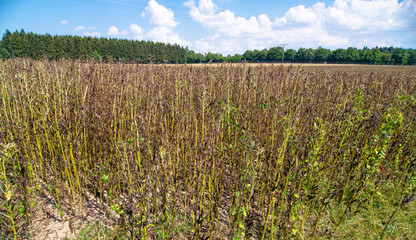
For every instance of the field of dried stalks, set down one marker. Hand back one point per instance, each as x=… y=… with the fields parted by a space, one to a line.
x=111 y=151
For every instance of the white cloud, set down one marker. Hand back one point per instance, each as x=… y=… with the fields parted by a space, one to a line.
x=217 y=43
x=312 y=15
x=134 y=29
x=341 y=24
x=165 y=35
x=226 y=22
x=113 y=30
x=159 y=15
x=137 y=31
x=80 y=28
x=163 y=20
x=355 y=14
x=92 y=34
x=371 y=15
x=64 y=21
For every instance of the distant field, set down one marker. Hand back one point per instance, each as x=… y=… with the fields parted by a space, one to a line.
x=408 y=69
x=206 y=151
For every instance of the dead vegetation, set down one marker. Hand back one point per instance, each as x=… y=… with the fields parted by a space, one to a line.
x=233 y=151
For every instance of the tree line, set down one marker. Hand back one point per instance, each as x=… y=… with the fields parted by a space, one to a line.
x=32 y=45
x=22 y=44
x=377 y=55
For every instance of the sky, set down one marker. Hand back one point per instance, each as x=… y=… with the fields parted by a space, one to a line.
x=223 y=26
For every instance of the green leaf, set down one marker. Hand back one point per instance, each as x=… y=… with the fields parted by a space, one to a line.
x=243 y=210
x=235 y=210
x=115 y=207
x=105 y=178
x=294 y=231
x=22 y=210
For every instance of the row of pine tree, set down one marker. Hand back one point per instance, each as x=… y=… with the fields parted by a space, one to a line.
x=37 y=46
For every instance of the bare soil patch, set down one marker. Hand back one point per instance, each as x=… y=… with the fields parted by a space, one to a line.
x=50 y=222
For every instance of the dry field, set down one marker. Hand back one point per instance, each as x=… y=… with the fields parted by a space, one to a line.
x=406 y=69
x=217 y=151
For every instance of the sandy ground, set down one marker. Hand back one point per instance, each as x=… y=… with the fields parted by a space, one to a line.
x=50 y=223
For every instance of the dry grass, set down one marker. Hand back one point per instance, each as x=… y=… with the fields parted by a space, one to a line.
x=405 y=69
x=232 y=151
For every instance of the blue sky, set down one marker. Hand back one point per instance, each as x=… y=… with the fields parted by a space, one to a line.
x=225 y=26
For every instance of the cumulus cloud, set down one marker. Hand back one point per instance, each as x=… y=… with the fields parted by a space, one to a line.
x=165 y=35
x=226 y=22
x=92 y=34
x=137 y=31
x=64 y=21
x=80 y=28
x=113 y=30
x=159 y=15
x=373 y=15
x=300 y=14
x=163 y=20
x=341 y=24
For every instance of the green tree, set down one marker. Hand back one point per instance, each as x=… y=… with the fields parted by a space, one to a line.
x=3 y=52
x=22 y=44
x=221 y=58
x=24 y=50
x=16 y=42
x=322 y=54
x=237 y=58
x=249 y=56
x=352 y=55
x=229 y=58
x=6 y=40
x=386 y=58
x=365 y=55
x=191 y=57
x=211 y=57
x=200 y=57
x=290 y=55
x=339 y=56
x=376 y=56
x=95 y=55
x=412 y=57
x=300 y=55
x=399 y=56
x=309 y=55
x=261 y=56
x=275 y=54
